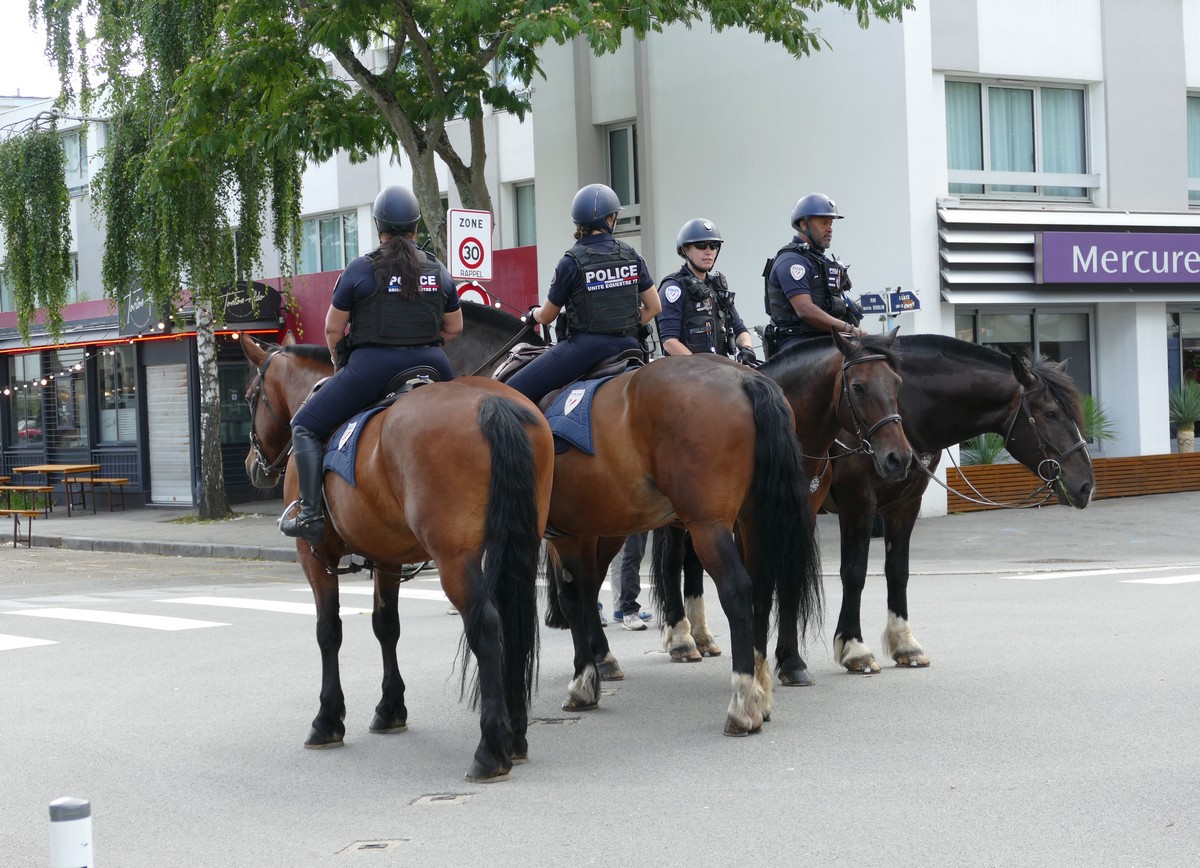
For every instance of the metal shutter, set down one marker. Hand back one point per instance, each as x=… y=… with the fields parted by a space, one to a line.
x=170 y=434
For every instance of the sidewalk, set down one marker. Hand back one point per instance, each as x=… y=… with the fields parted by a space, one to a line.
x=1118 y=533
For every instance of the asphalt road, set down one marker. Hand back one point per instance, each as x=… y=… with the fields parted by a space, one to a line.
x=1057 y=726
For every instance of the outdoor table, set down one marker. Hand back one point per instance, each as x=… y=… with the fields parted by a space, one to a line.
x=62 y=471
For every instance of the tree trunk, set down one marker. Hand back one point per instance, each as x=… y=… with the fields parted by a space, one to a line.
x=213 y=501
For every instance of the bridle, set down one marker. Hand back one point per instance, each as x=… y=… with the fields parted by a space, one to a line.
x=864 y=446
x=269 y=469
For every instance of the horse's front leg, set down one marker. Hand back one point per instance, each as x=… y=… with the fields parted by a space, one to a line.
x=578 y=591
x=390 y=714
x=849 y=649
x=667 y=564
x=717 y=551
x=328 y=727
x=606 y=662
x=898 y=641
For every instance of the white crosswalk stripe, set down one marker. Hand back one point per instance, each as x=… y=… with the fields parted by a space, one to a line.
x=1083 y=574
x=10 y=643
x=405 y=593
x=1164 y=580
x=285 y=607
x=122 y=619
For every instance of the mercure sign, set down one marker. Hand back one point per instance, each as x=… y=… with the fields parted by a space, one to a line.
x=1118 y=257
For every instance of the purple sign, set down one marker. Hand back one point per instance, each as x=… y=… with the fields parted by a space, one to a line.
x=1118 y=257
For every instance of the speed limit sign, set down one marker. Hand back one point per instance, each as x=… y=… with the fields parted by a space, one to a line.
x=470 y=244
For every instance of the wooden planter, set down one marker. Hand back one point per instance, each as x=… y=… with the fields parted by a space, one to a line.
x=1115 y=477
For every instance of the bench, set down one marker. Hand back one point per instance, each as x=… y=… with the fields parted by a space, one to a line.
x=16 y=514
x=48 y=490
x=111 y=483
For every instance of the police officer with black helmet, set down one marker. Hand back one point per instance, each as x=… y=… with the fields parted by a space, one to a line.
x=698 y=315
x=604 y=290
x=400 y=305
x=805 y=286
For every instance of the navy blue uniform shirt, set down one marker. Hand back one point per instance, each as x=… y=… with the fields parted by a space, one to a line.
x=358 y=282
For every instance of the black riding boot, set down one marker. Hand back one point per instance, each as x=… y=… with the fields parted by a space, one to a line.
x=308 y=523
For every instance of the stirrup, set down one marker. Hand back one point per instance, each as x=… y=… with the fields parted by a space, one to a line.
x=311 y=529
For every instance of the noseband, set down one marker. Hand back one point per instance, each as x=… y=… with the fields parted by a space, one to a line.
x=272 y=469
x=864 y=439
x=1049 y=468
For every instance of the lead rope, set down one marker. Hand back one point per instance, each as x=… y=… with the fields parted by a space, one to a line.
x=1044 y=490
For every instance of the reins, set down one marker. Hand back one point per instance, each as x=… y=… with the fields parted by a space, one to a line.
x=273 y=468
x=864 y=446
x=528 y=325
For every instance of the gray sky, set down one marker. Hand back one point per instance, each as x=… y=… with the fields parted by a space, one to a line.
x=23 y=63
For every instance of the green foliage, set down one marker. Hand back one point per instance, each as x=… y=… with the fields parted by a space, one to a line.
x=35 y=217
x=984 y=449
x=1183 y=405
x=1098 y=426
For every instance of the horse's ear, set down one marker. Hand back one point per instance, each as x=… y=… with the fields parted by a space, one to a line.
x=252 y=348
x=842 y=342
x=890 y=337
x=1022 y=370
x=288 y=339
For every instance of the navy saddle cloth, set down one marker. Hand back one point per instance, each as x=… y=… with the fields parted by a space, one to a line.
x=340 y=450
x=570 y=416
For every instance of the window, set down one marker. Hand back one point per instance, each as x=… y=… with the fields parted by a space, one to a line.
x=1193 y=127
x=1017 y=142
x=7 y=302
x=69 y=388
x=235 y=410
x=25 y=384
x=328 y=243
x=118 y=395
x=75 y=148
x=1057 y=335
x=526 y=215
x=623 y=172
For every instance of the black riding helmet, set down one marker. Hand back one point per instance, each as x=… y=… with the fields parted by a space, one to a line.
x=814 y=205
x=593 y=205
x=396 y=211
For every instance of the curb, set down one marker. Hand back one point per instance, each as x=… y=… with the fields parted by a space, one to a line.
x=169 y=549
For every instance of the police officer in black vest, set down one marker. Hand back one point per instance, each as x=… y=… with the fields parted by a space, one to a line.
x=401 y=306
x=698 y=315
x=805 y=286
x=603 y=288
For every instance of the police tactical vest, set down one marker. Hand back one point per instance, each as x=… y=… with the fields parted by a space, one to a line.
x=825 y=293
x=386 y=318
x=707 y=324
x=605 y=301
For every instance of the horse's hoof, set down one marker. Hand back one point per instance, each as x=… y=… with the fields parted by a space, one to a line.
x=737 y=729
x=316 y=741
x=573 y=704
x=914 y=661
x=709 y=649
x=480 y=775
x=685 y=654
x=795 y=678
x=382 y=726
x=520 y=760
x=610 y=671
x=862 y=666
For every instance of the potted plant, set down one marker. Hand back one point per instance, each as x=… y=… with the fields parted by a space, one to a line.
x=984 y=449
x=1098 y=426
x=1183 y=408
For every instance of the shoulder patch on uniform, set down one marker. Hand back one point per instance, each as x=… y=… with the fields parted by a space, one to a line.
x=797 y=271
x=553 y=278
x=672 y=293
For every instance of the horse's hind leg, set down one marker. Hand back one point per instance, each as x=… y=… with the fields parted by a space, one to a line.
x=578 y=590
x=390 y=714
x=668 y=556
x=693 y=602
x=462 y=580
x=328 y=727
x=898 y=641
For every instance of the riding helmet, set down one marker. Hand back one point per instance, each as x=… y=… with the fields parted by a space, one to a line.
x=814 y=205
x=695 y=230
x=592 y=206
x=396 y=210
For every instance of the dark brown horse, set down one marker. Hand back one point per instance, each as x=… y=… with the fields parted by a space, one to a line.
x=705 y=444
x=953 y=390
x=458 y=473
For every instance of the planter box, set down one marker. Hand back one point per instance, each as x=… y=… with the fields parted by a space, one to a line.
x=1115 y=477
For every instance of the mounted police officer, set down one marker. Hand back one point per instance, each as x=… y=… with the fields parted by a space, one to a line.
x=698 y=315
x=401 y=306
x=603 y=288
x=805 y=286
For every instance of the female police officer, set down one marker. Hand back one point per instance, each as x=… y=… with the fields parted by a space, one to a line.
x=698 y=315
x=599 y=284
x=401 y=305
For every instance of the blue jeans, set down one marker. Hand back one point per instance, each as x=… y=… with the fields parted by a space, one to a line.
x=625 y=596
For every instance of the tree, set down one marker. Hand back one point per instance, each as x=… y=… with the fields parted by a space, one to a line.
x=216 y=106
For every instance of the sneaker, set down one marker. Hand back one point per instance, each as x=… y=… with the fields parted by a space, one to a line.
x=632 y=621
x=618 y=615
x=646 y=616
x=600 y=609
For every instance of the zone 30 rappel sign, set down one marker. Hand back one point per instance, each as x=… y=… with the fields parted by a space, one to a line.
x=469 y=243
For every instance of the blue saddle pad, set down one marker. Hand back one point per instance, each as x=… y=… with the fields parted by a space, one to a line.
x=570 y=416
x=339 y=452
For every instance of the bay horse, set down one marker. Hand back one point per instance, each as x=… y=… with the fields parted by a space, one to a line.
x=832 y=384
x=686 y=440
x=953 y=390
x=456 y=472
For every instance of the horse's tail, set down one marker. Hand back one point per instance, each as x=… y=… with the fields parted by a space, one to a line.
x=556 y=618
x=511 y=542
x=785 y=551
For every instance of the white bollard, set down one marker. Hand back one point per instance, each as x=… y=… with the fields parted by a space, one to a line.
x=71 y=833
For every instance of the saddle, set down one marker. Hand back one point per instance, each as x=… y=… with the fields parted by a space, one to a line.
x=522 y=354
x=401 y=384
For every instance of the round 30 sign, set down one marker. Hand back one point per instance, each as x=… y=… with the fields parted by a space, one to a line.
x=469 y=244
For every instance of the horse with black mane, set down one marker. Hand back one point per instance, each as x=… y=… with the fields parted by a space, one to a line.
x=653 y=431
x=456 y=472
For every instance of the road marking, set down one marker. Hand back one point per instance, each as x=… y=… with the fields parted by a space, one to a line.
x=405 y=593
x=8 y=643
x=1164 y=580
x=1083 y=574
x=122 y=619
x=262 y=605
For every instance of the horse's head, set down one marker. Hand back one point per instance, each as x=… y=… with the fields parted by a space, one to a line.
x=488 y=334
x=1043 y=431
x=269 y=394
x=870 y=403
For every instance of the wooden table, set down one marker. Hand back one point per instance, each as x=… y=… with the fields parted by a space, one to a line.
x=63 y=471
